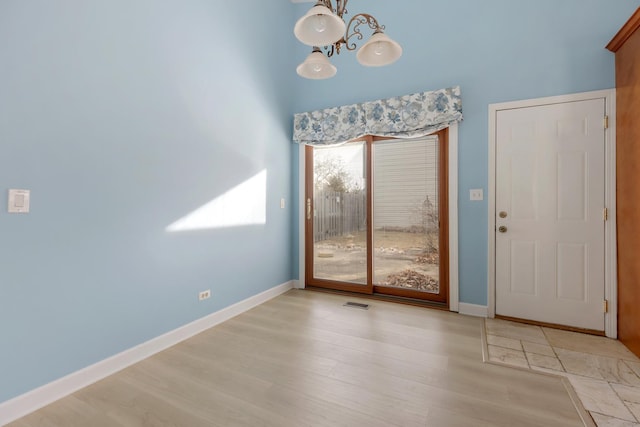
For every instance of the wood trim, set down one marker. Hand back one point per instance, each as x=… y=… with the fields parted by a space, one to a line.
x=440 y=299
x=625 y=32
x=301 y=215
x=308 y=229
x=410 y=293
x=368 y=161
x=340 y=286
x=551 y=325
x=382 y=297
x=628 y=193
x=310 y=280
x=443 y=249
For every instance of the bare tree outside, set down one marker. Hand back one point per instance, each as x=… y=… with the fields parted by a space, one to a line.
x=330 y=173
x=427 y=215
x=339 y=226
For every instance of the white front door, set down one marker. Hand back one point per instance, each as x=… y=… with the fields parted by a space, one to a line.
x=550 y=198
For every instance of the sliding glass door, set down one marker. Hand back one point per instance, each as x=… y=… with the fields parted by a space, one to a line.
x=337 y=214
x=376 y=217
x=406 y=217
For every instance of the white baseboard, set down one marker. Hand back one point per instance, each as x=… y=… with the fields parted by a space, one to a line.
x=473 y=310
x=33 y=400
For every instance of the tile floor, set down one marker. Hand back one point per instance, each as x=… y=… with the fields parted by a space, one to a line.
x=602 y=371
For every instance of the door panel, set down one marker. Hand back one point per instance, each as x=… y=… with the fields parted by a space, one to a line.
x=550 y=180
x=524 y=261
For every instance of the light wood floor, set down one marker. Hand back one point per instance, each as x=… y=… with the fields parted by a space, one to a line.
x=302 y=359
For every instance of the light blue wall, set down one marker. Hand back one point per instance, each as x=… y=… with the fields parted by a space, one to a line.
x=121 y=117
x=497 y=51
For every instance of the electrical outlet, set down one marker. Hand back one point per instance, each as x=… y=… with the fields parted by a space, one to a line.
x=476 y=194
x=204 y=294
x=282 y=203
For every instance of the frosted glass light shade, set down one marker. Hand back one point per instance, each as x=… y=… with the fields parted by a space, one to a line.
x=319 y=27
x=379 y=50
x=316 y=66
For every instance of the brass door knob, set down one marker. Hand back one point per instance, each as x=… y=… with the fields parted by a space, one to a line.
x=502 y=229
x=502 y=214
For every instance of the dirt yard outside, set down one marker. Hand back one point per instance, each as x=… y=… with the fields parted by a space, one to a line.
x=400 y=259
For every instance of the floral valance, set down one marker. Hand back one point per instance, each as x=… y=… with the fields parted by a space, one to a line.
x=408 y=116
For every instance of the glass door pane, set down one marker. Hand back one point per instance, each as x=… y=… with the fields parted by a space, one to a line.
x=406 y=232
x=340 y=214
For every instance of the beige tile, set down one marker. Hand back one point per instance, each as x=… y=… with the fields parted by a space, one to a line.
x=517 y=331
x=598 y=396
x=504 y=342
x=545 y=350
x=507 y=356
x=617 y=371
x=544 y=361
x=634 y=408
x=626 y=393
x=579 y=363
x=598 y=367
x=606 y=421
x=585 y=343
x=635 y=366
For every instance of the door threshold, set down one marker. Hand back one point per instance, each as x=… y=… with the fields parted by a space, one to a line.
x=382 y=297
x=552 y=325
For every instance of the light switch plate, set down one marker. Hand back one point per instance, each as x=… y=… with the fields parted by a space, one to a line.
x=476 y=194
x=19 y=201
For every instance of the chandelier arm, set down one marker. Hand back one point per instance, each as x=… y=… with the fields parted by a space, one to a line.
x=334 y=48
x=357 y=21
x=341 y=7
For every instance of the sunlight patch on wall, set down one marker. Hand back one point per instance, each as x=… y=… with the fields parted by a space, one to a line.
x=244 y=204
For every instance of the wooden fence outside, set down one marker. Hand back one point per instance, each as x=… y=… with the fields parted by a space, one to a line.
x=337 y=214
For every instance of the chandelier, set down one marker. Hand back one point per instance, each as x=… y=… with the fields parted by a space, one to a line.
x=323 y=26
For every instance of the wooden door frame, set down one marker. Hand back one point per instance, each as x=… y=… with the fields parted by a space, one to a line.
x=610 y=272
x=366 y=288
x=443 y=204
x=452 y=196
